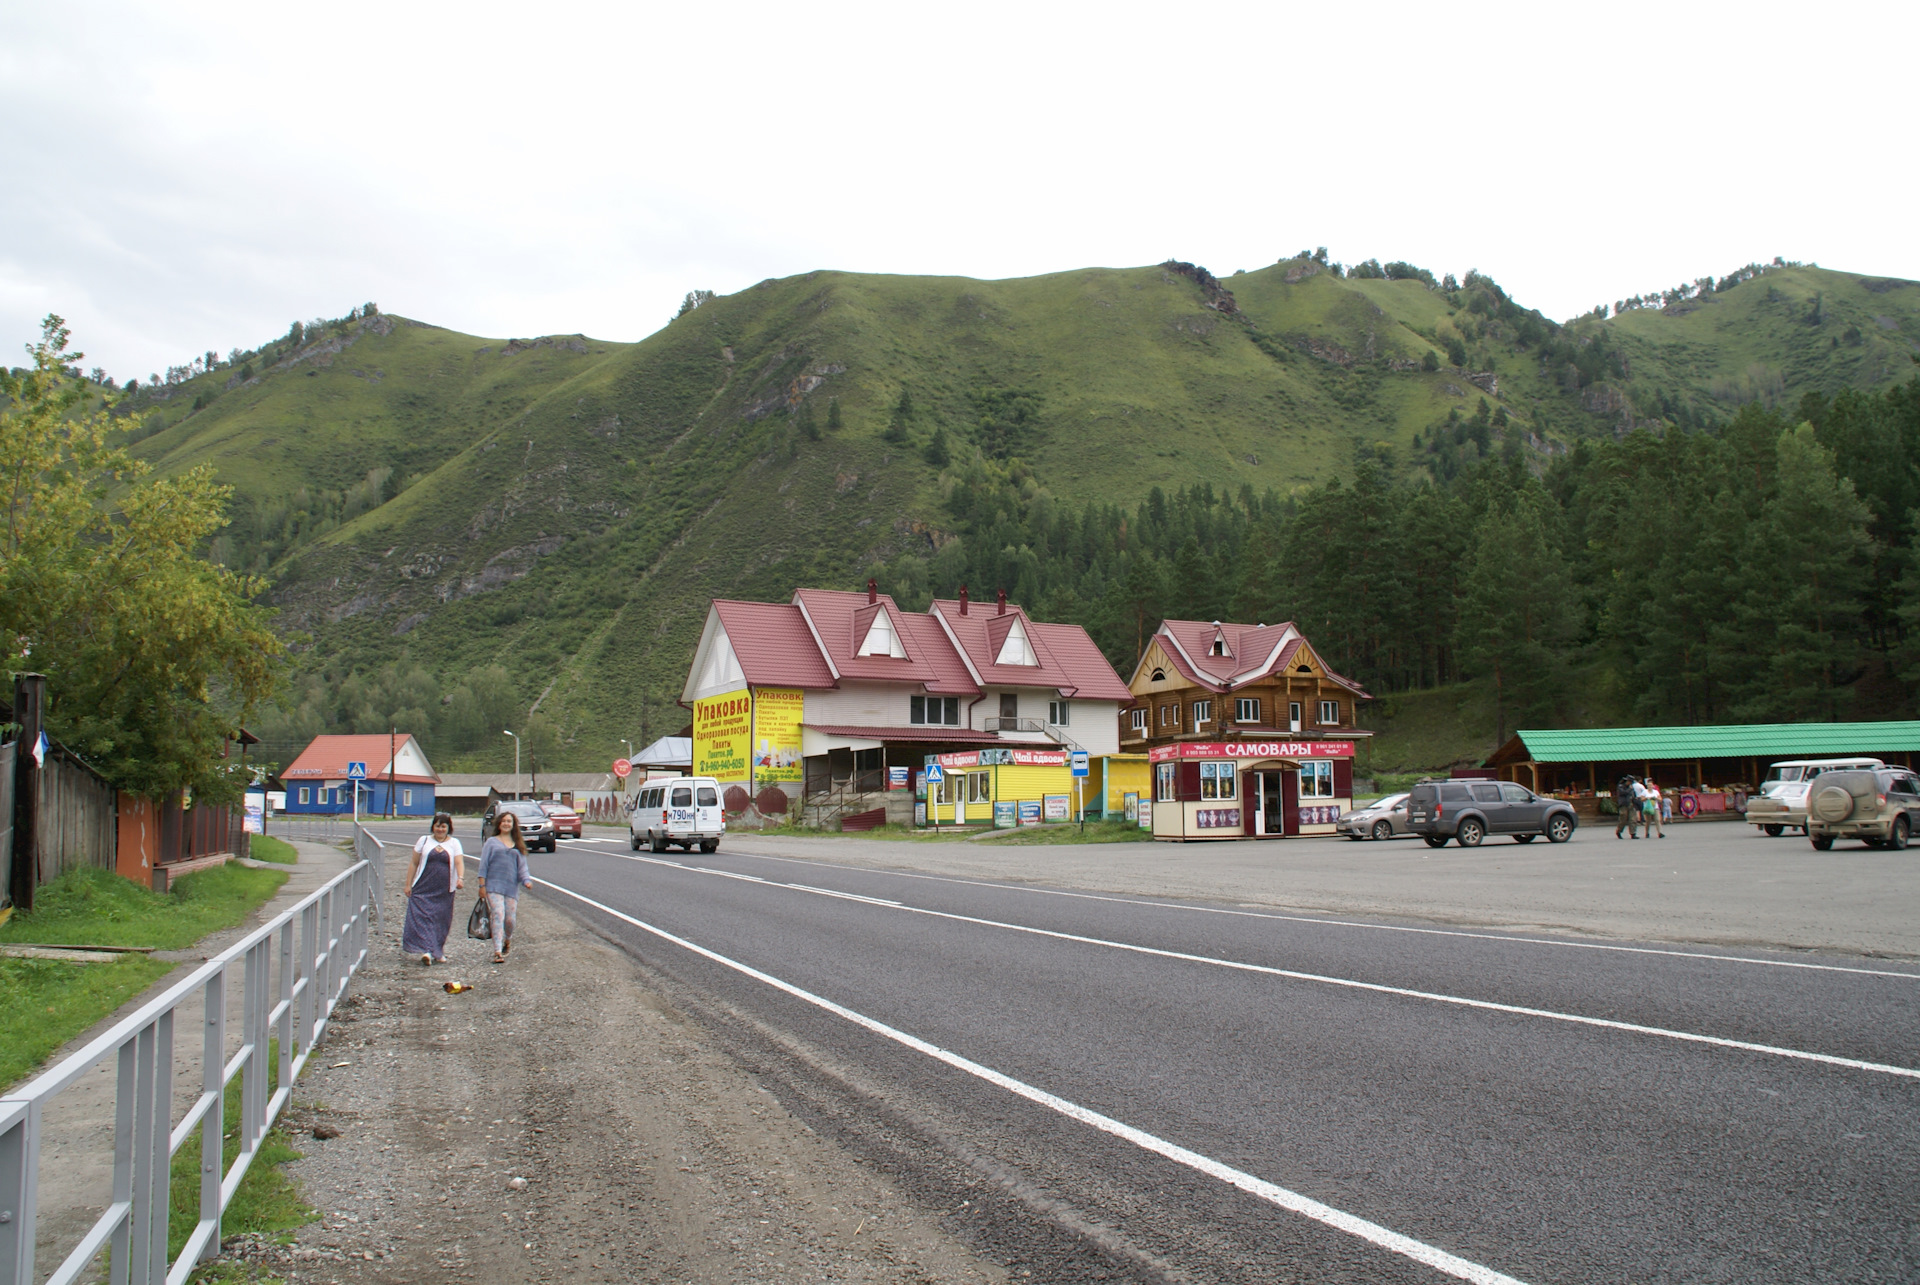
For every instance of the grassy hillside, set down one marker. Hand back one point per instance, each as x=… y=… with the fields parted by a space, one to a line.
x=563 y=508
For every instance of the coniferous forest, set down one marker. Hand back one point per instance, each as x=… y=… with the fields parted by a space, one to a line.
x=1761 y=570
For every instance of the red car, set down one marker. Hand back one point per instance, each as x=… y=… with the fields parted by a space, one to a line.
x=566 y=822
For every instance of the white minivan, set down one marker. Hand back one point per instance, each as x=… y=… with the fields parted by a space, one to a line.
x=677 y=809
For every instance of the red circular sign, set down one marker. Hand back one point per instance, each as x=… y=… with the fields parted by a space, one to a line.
x=622 y=769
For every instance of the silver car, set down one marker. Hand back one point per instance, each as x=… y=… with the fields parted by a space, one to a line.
x=1382 y=819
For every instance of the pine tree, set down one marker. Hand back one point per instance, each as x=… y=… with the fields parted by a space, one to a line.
x=833 y=414
x=1800 y=621
x=936 y=452
x=902 y=416
x=805 y=422
x=1519 y=609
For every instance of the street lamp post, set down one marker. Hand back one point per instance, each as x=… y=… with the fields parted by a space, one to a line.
x=516 y=761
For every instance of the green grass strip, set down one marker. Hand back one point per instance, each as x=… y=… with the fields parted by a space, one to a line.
x=1096 y=832
x=45 y=1002
x=267 y=1202
x=99 y=908
x=265 y=847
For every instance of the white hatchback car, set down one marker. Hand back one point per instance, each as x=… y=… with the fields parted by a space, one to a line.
x=681 y=809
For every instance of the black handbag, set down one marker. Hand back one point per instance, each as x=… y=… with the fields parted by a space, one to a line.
x=480 y=922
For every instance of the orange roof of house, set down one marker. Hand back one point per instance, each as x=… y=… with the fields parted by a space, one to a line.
x=326 y=759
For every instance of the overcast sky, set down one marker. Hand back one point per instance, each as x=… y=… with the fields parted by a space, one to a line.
x=187 y=176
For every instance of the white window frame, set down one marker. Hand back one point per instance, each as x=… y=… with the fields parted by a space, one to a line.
x=979 y=787
x=1163 y=782
x=1246 y=709
x=1170 y=715
x=306 y=792
x=1060 y=713
x=1316 y=778
x=406 y=798
x=1329 y=713
x=1293 y=713
x=1202 y=712
x=1219 y=780
x=1139 y=720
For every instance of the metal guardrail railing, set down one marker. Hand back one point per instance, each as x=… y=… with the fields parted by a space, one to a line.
x=311 y=829
x=293 y=971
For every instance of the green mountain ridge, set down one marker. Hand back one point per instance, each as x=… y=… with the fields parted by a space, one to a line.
x=554 y=513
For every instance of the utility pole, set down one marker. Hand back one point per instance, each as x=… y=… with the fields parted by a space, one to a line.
x=29 y=710
x=516 y=761
x=393 y=741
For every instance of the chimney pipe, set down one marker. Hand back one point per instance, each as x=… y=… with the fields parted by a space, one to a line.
x=1001 y=596
x=873 y=591
x=963 y=600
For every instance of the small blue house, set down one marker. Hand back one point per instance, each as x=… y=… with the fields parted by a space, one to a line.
x=399 y=781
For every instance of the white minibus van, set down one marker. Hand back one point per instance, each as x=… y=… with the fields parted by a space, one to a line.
x=677 y=809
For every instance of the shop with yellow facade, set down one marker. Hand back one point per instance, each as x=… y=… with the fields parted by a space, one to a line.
x=1001 y=786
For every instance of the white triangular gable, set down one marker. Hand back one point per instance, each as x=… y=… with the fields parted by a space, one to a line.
x=882 y=639
x=1016 y=650
x=409 y=761
x=715 y=668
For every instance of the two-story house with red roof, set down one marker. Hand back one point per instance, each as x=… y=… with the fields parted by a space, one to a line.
x=1249 y=732
x=835 y=691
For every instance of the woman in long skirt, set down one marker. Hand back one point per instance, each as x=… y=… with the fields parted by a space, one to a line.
x=433 y=876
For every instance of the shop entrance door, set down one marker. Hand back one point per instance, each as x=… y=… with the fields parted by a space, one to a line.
x=1269 y=815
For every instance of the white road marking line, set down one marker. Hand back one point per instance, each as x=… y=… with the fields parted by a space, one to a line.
x=1462 y=1001
x=1339 y=923
x=1419 y=1251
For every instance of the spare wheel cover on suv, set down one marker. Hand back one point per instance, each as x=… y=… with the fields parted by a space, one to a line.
x=1833 y=798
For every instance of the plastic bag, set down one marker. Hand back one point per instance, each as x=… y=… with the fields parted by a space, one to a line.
x=480 y=922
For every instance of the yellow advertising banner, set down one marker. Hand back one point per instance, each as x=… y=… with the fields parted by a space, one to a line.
x=776 y=734
x=721 y=736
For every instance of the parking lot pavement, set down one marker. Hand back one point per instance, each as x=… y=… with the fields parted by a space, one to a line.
x=1718 y=883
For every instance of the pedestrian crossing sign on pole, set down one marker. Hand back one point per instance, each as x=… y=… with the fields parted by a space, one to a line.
x=356 y=771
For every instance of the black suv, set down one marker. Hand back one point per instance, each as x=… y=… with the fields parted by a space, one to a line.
x=1469 y=811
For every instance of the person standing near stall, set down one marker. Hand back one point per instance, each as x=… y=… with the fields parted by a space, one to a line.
x=1626 y=803
x=433 y=875
x=503 y=872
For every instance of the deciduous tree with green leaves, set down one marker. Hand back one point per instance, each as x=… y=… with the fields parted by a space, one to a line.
x=153 y=654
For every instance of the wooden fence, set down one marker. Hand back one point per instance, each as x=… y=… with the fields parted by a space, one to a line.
x=76 y=818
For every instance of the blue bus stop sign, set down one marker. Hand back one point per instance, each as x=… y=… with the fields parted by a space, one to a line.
x=1080 y=763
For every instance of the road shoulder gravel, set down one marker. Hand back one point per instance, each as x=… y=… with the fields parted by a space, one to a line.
x=563 y=1119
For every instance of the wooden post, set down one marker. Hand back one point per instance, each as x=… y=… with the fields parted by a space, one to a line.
x=29 y=710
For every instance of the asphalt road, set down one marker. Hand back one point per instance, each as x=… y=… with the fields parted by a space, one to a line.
x=1098 y=1087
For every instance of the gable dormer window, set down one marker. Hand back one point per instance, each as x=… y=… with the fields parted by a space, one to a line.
x=1016 y=650
x=1219 y=647
x=881 y=640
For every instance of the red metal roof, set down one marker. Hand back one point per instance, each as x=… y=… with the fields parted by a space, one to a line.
x=932 y=642
x=773 y=644
x=1085 y=665
x=837 y=617
x=1250 y=652
x=955 y=735
x=980 y=634
x=327 y=757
